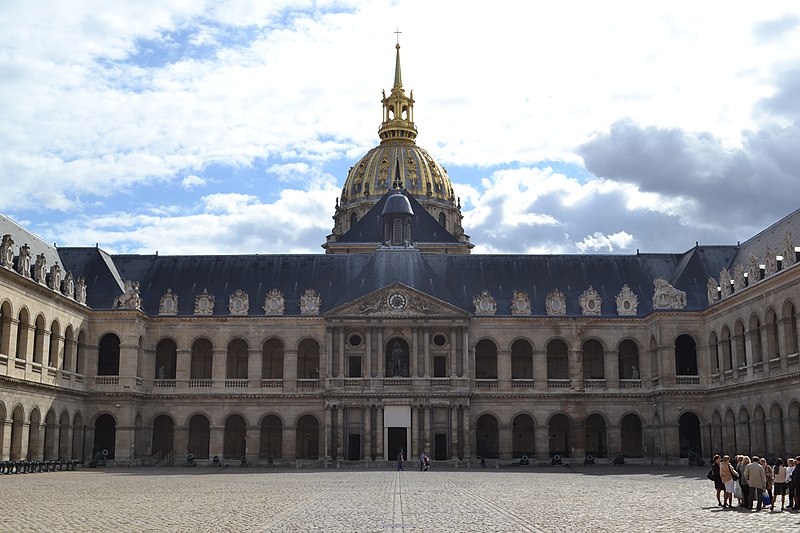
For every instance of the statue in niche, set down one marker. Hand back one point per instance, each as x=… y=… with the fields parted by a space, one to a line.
x=397 y=364
x=634 y=372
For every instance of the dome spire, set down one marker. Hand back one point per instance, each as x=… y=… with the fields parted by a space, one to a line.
x=398 y=109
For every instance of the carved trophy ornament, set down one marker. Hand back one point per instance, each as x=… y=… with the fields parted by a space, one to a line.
x=168 y=304
x=484 y=304
x=556 y=303
x=310 y=302
x=590 y=302
x=130 y=298
x=520 y=303
x=627 y=302
x=204 y=303
x=55 y=277
x=239 y=303
x=68 y=286
x=7 y=248
x=24 y=261
x=80 y=291
x=668 y=297
x=725 y=282
x=711 y=290
x=40 y=269
x=274 y=303
x=770 y=263
x=738 y=277
x=753 y=272
x=787 y=250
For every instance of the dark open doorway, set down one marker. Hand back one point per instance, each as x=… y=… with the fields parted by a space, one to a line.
x=353 y=447
x=440 y=446
x=396 y=441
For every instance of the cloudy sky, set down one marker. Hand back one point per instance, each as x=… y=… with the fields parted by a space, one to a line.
x=197 y=127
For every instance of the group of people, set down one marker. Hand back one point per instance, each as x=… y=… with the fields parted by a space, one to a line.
x=755 y=483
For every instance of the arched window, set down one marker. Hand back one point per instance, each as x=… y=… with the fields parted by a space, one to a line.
x=593 y=360
x=628 y=360
x=353 y=219
x=485 y=360
x=166 y=359
x=55 y=342
x=397 y=232
x=38 y=340
x=443 y=220
x=108 y=356
x=236 y=367
x=557 y=360
x=22 y=335
x=308 y=359
x=5 y=328
x=272 y=359
x=790 y=328
x=685 y=356
x=521 y=360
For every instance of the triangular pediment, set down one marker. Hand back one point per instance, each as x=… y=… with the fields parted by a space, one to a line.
x=396 y=301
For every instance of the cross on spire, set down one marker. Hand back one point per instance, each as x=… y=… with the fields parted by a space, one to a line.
x=398 y=32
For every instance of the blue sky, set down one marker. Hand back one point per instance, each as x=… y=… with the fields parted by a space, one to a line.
x=194 y=127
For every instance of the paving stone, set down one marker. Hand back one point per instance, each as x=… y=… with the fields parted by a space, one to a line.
x=559 y=499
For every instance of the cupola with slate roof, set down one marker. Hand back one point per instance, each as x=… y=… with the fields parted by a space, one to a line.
x=398 y=163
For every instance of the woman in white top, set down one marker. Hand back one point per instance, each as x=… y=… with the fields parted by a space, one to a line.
x=781 y=475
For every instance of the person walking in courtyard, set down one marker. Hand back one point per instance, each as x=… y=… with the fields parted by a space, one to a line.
x=715 y=477
x=781 y=475
x=744 y=489
x=400 y=461
x=789 y=478
x=757 y=481
x=728 y=476
x=770 y=480
x=794 y=485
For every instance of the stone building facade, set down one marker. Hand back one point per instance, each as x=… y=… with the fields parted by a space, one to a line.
x=399 y=340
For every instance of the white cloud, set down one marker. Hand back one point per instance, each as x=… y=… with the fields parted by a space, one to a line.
x=609 y=243
x=191 y=181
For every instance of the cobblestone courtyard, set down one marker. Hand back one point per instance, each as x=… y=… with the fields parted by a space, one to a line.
x=565 y=499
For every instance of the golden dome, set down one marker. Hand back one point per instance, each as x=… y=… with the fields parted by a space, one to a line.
x=397 y=162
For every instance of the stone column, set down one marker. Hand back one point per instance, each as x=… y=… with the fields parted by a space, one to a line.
x=328 y=432
x=416 y=414
x=427 y=412
x=183 y=368
x=413 y=371
x=575 y=358
x=341 y=360
x=467 y=356
x=671 y=444
x=666 y=356
x=368 y=353
x=541 y=441
x=180 y=444
x=426 y=353
x=504 y=369
x=290 y=369
x=327 y=362
x=5 y=444
x=219 y=362
x=611 y=368
x=379 y=453
x=367 y=431
x=254 y=368
x=453 y=432
x=540 y=369
x=289 y=449
x=124 y=443
x=505 y=437
x=453 y=366
x=467 y=433
x=613 y=440
x=13 y=325
x=340 y=431
x=216 y=441
x=253 y=442
x=578 y=442
x=381 y=356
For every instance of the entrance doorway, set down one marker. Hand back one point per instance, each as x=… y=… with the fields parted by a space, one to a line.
x=440 y=446
x=397 y=442
x=353 y=447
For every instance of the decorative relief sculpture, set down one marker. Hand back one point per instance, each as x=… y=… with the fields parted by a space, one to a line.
x=310 y=302
x=168 y=304
x=68 y=286
x=383 y=172
x=80 y=291
x=130 y=298
x=204 y=303
x=376 y=305
x=753 y=271
x=274 y=304
x=627 y=302
x=556 y=303
x=7 y=251
x=668 y=297
x=520 y=303
x=239 y=303
x=738 y=277
x=590 y=302
x=788 y=250
x=725 y=282
x=484 y=303
x=24 y=261
x=55 y=277
x=415 y=303
x=411 y=165
x=711 y=292
x=770 y=263
x=40 y=269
